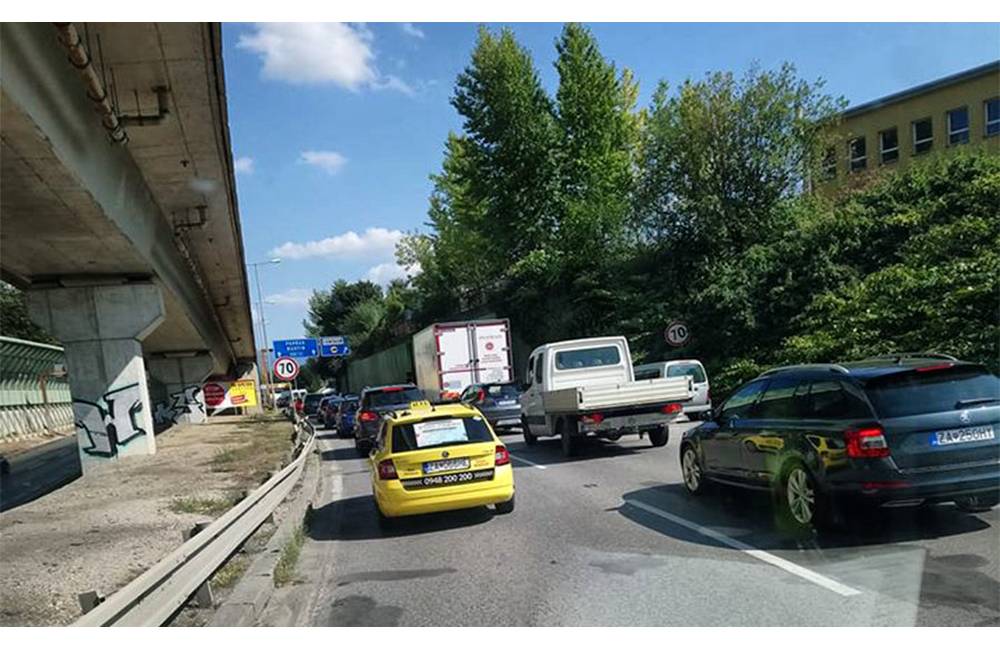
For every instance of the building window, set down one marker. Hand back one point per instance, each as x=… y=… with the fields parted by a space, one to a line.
x=856 y=154
x=889 y=145
x=923 y=136
x=958 y=126
x=991 y=108
x=830 y=164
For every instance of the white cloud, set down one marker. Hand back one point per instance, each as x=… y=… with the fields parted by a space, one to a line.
x=329 y=161
x=412 y=30
x=319 y=53
x=243 y=165
x=294 y=297
x=373 y=242
x=385 y=273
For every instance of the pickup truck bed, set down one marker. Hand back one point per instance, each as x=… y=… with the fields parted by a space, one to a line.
x=585 y=399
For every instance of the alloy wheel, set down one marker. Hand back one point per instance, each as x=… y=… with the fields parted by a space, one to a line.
x=691 y=470
x=800 y=496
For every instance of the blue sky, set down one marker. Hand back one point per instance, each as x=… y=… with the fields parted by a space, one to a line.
x=335 y=128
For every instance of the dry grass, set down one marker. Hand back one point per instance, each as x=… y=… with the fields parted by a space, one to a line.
x=231 y=571
x=252 y=454
x=284 y=571
x=212 y=506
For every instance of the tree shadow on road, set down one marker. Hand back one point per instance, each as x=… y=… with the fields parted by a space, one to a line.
x=750 y=517
x=341 y=453
x=355 y=518
x=548 y=451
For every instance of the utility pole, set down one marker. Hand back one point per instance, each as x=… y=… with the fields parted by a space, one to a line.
x=265 y=353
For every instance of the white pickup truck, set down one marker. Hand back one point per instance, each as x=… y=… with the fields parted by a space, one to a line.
x=586 y=387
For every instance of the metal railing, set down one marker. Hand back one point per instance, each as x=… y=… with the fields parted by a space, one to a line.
x=154 y=597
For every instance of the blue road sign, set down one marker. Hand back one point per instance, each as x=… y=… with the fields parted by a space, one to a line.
x=297 y=348
x=334 y=346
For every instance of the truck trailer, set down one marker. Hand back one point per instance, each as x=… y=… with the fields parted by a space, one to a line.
x=448 y=357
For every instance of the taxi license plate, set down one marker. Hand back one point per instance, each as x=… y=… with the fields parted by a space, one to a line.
x=961 y=436
x=448 y=479
x=447 y=465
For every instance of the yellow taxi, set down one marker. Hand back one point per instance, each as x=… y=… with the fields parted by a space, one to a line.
x=434 y=458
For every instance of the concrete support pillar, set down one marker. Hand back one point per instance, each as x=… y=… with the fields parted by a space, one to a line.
x=181 y=377
x=101 y=328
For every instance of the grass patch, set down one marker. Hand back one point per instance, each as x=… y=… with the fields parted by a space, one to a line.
x=284 y=572
x=231 y=572
x=253 y=454
x=203 y=505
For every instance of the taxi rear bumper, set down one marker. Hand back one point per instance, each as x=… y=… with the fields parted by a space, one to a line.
x=394 y=500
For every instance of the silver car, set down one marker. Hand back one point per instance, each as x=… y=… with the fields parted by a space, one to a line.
x=700 y=405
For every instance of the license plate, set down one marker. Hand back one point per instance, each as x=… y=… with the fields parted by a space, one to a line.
x=448 y=479
x=505 y=423
x=962 y=436
x=507 y=402
x=448 y=465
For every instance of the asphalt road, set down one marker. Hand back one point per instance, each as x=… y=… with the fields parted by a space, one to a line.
x=610 y=538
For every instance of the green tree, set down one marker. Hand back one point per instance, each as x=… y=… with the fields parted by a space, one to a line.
x=14 y=321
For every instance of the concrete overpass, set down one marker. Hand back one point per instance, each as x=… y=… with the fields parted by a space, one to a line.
x=119 y=219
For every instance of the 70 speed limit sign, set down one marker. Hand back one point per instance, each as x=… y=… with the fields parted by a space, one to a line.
x=286 y=368
x=677 y=334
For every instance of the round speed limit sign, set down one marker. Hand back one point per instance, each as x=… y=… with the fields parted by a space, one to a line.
x=286 y=368
x=677 y=333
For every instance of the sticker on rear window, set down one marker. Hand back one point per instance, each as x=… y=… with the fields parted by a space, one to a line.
x=439 y=432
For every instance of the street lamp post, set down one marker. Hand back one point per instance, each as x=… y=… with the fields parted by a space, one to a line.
x=266 y=365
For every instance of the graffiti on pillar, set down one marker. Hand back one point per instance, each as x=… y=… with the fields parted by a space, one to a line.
x=112 y=422
x=183 y=402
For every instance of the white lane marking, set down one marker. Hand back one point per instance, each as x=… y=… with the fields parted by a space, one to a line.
x=525 y=460
x=763 y=556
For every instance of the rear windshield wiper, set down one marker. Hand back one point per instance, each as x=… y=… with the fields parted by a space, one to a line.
x=979 y=400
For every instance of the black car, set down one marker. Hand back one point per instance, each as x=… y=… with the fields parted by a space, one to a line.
x=373 y=403
x=310 y=407
x=889 y=431
x=497 y=402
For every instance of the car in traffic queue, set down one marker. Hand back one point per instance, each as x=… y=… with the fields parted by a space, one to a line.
x=311 y=404
x=376 y=401
x=434 y=458
x=890 y=431
x=344 y=418
x=699 y=406
x=327 y=411
x=498 y=402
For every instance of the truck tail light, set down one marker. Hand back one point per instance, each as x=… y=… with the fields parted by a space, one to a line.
x=367 y=416
x=501 y=457
x=387 y=470
x=867 y=442
x=593 y=418
x=671 y=409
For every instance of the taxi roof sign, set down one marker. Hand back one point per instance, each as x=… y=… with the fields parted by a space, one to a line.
x=420 y=405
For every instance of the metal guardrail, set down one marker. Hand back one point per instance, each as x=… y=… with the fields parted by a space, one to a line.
x=154 y=597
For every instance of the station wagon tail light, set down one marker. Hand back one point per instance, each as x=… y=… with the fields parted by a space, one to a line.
x=387 y=470
x=502 y=456
x=868 y=442
x=481 y=396
x=593 y=418
x=670 y=409
x=367 y=416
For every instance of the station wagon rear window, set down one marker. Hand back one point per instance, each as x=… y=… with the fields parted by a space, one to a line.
x=693 y=370
x=587 y=358
x=390 y=397
x=440 y=432
x=934 y=391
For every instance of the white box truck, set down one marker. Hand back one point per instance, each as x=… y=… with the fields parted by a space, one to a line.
x=448 y=357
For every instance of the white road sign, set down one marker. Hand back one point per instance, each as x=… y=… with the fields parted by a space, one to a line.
x=286 y=368
x=677 y=333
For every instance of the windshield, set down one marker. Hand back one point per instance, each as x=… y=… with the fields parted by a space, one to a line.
x=439 y=433
x=914 y=393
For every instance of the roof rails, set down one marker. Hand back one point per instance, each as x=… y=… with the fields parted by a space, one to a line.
x=898 y=357
x=832 y=367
